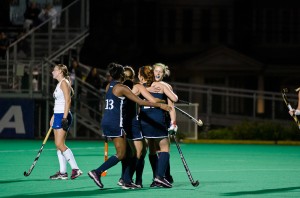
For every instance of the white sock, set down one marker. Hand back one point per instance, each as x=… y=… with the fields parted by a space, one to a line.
x=70 y=158
x=62 y=162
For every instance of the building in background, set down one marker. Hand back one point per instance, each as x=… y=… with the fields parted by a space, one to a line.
x=244 y=44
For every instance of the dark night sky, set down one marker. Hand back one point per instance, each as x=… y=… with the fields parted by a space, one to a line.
x=110 y=42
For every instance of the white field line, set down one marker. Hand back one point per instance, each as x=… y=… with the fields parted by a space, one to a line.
x=52 y=149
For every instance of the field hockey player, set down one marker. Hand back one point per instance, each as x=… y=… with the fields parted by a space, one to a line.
x=61 y=121
x=112 y=121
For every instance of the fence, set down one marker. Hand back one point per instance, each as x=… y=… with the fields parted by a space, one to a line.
x=223 y=106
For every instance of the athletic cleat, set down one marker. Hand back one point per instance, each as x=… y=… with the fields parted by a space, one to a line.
x=59 y=175
x=129 y=186
x=154 y=184
x=120 y=182
x=93 y=175
x=139 y=184
x=163 y=182
x=76 y=173
x=169 y=179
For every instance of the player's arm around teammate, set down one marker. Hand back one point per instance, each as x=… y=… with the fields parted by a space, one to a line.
x=154 y=128
x=160 y=72
x=112 y=119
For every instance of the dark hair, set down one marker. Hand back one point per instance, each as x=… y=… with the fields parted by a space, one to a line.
x=116 y=71
x=147 y=73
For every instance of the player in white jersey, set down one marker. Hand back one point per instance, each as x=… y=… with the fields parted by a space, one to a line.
x=61 y=121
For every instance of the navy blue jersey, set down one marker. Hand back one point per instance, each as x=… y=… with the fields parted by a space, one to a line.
x=153 y=120
x=112 y=121
x=131 y=121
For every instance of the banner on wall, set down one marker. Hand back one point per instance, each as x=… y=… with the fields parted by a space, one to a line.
x=16 y=118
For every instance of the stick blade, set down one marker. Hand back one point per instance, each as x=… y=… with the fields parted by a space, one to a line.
x=200 y=123
x=26 y=174
x=196 y=183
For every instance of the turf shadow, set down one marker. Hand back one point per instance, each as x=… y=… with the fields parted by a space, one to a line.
x=83 y=193
x=19 y=180
x=259 y=192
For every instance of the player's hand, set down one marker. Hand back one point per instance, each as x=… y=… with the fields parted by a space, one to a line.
x=162 y=101
x=154 y=88
x=292 y=112
x=65 y=124
x=173 y=128
x=165 y=107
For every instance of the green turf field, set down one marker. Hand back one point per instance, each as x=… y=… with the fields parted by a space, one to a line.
x=224 y=170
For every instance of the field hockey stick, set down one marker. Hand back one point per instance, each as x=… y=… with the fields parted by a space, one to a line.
x=26 y=174
x=184 y=102
x=284 y=91
x=198 y=122
x=103 y=174
x=187 y=170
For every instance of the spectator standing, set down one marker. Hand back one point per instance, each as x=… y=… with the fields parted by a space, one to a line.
x=31 y=16
x=23 y=46
x=48 y=12
x=4 y=43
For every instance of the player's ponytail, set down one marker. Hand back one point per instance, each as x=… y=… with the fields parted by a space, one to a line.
x=147 y=73
x=66 y=75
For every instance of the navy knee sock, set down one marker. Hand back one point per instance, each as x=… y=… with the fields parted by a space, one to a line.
x=153 y=162
x=162 y=163
x=124 y=164
x=132 y=166
x=168 y=170
x=113 y=160
x=130 y=169
x=140 y=164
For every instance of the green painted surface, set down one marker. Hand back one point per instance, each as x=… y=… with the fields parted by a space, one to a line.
x=224 y=170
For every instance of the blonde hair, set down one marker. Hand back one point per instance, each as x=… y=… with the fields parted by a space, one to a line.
x=164 y=67
x=131 y=73
x=64 y=69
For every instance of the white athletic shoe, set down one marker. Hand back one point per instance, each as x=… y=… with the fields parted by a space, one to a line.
x=59 y=175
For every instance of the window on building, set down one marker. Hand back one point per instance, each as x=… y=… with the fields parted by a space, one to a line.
x=171 y=30
x=223 y=23
x=272 y=24
x=205 y=26
x=286 y=26
x=187 y=26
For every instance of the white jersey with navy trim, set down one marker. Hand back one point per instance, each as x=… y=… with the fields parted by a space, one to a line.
x=59 y=99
